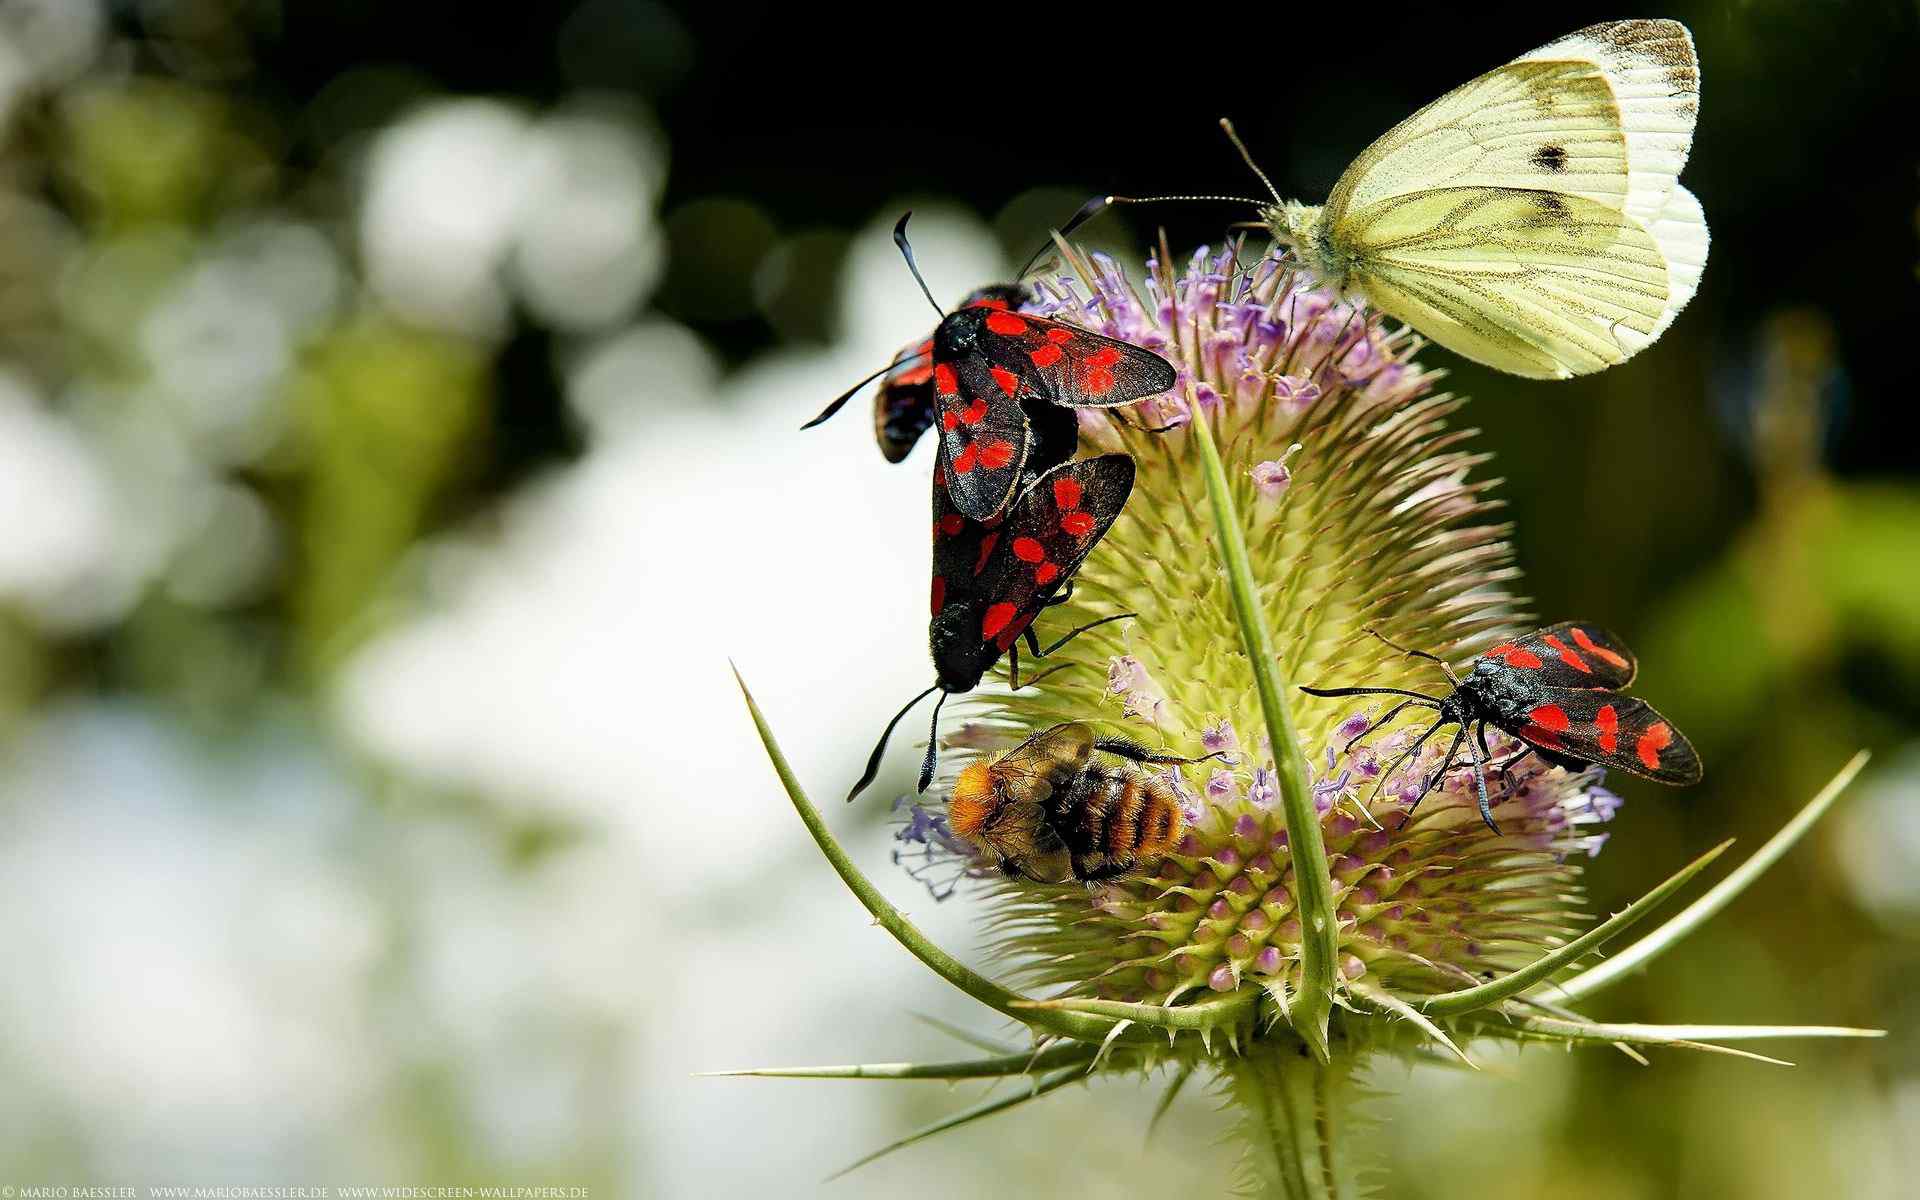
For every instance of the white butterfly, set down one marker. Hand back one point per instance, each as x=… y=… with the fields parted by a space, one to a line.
x=1531 y=219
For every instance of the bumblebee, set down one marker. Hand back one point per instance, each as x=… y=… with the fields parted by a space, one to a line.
x=1068 y=804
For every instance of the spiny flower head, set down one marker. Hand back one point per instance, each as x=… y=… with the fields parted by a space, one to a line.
x=1363 y=516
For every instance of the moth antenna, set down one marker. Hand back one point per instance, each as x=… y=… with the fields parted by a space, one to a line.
x=933 y=744
x=1241 y=146
x=847 y=395
x=900 y=240
x=880 y=747
x=1085 y=213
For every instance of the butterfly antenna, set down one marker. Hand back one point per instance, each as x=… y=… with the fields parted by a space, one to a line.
x=880 y=747
x=900 y=240
x=1085 y=213
x=1164 y=199
x=933 y=743
x=1241 y=146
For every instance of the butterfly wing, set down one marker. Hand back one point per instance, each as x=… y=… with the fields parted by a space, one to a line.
x=993 y=581
x=903 y=407
x=1681 y=233
x=1655 y=78
x=1606 y=113
x=1572 y=654
x=1535 y=283
x=1544 y=125
x=1619 y=732
x=1072 y=366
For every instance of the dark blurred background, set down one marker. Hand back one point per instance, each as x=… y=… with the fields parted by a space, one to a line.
x=393 y=398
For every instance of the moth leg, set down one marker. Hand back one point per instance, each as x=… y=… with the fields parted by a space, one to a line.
x=1074 y=633
x=1380 y=724
x=1404 y=756
x=1013 y=661
x=1065 y=594
x=1439 y=773
x=1129 y=749
x=1432 y=658
x=1477 y=750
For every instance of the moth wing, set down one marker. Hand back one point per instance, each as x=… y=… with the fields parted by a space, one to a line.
x=1052 y=528
x=1535 y=283
x=961 y=547
x=1072 y=366
x=1618 y=732
x=983 y=432
x=1551 y=126
x=903 y=405
x=1654 y=74
x=1572 y=654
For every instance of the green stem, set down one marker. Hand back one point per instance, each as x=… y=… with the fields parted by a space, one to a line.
x=1296 y=1118
x=1310 y=1008
x=949 y=968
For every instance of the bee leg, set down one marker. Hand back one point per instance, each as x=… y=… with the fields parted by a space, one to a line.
x=1111 y=868
x=1129 y=749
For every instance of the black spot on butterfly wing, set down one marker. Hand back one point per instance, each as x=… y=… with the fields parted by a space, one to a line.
x=1607 y=729
x=903 y=405
x=1024 y=562
x=1550 y=158
x=1075 y=367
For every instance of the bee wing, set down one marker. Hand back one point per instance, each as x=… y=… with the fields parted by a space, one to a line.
x=1620 y=732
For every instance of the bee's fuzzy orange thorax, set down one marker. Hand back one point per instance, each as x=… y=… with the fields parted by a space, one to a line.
x=971 y=801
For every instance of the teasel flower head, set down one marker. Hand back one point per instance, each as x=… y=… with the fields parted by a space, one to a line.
x=1304 y=496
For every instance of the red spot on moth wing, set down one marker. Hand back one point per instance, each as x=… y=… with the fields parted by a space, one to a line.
x=1027 y=550
x=966 y=459
x=1567 y=655
x=946 y=381
x=995 y=620
x=1045 y=573
x=1607 y=721
x=989 y=302
x=1008 y=381
x=975 y=413
x=1541 y=737
x=986 y=551
x=1099 y=380
x=952 y=523
x=1007 y=323
x=1549 y=716
x=1651 y=743
x=939 y=593
x=1106 y=356
x=1059 y=335
x=1597 y=650
x=949 y=419
x=1079 y=524
x=1045 y=356
x=995 y=455
x=1014 y=630
x=1514 y=656
x=1066 y=492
